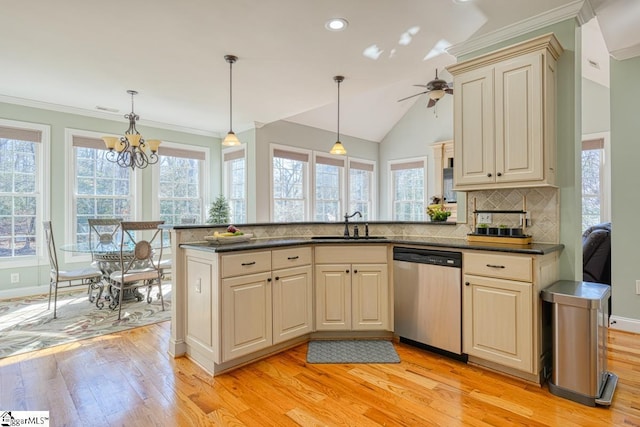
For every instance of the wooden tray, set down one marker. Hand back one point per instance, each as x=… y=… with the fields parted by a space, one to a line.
x=509 y=240
x=225 y=240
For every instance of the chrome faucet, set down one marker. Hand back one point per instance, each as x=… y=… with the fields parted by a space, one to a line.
x=346 y=221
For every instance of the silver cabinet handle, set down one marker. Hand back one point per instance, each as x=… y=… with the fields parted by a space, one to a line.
x=248 y=263
x=495 y=266
x=293 y=257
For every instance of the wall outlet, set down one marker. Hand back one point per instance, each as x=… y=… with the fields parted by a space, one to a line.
x=637 y=287
x=15 y=277
x=484 y=218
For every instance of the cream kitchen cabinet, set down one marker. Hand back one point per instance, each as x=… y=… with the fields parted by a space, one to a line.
x=502 y=318
x=505 y=117
x=352 y=296
x=292 y=287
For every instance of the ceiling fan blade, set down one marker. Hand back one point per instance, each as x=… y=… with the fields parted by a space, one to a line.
x=431 y=103
x=449 y=91
x=417 y=94
x=421 y=86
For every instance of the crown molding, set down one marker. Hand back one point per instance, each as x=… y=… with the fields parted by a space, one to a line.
x=626 y=52
x=116 y=117
x=579 y=9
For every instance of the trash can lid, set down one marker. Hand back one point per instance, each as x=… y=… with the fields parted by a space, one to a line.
x=578 y=294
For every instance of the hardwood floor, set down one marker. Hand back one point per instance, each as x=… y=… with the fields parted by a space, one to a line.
x=129 y=379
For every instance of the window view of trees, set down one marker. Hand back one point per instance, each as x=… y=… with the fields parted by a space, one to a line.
x=408 y=191
x=237 y=189
x=361 y=189
x=327 y=192
x=592 y=169
x=19 y=197
x=180 y=195
x=102 y=190
x=289 y=183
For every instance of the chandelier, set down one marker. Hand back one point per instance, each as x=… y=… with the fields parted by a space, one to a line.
x=130 y=150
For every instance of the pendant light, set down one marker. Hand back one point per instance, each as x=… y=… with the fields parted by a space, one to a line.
x=338 y=148
x=231 y=139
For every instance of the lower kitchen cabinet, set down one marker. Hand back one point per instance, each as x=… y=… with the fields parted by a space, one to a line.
x=292 y=303
x=352 y=296
x=246 y=314
x=498 y=321
x=502 y=310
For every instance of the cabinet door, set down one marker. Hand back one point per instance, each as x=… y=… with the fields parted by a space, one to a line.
x=246 y=314
x=333 y=296
x=497 y=321
x=292 y=303
x=370 y=297
x=474 y=128
x=519 y=119
x=199 y=327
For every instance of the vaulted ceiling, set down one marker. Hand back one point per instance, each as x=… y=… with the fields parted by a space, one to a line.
x=79 y=56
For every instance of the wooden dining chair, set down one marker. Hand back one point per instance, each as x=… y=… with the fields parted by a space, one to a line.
x=87 y=276
x=140 y=249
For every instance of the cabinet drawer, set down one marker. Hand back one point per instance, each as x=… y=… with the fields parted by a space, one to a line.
x=246 y=263
x=501 y=266
x=351 y=254
x=293 y=257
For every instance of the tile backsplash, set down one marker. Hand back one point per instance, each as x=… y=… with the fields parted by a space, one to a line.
x=542 y=203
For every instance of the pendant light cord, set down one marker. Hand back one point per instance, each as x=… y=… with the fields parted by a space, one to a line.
x=231 y=95
x=338 y=110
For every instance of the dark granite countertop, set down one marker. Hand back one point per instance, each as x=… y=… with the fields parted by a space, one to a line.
x=533 y=249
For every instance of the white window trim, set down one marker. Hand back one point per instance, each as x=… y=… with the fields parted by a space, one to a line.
x=374 y=184
x=390 y=163
x=308 y=172
x=69 y=205
x=342 y=202
x=226 y=190
x=204 y=178
x=43 y=183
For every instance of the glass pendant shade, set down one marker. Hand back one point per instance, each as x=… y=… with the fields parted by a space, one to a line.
x=111 y=141
x=338 y=148
x=436 y=94
x=153 y=144
x=230 y=140
x=134 y=139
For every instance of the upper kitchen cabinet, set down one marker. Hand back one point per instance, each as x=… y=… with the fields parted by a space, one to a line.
x=505 y=117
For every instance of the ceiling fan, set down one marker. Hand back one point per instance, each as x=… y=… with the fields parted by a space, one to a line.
x=436 y=89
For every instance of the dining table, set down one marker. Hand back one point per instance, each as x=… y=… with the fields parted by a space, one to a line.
x=106 y=257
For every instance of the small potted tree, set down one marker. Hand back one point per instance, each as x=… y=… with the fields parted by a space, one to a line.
x=482 y=228
x=219 y=211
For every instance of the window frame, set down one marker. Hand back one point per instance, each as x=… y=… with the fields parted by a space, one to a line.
x=342 y=184
x=70 y=199
x=204 y=177
x=226 y=176
x=605 y=172
x=306 y=188
x=409 y=160
x=373 y=185
x=43 y=190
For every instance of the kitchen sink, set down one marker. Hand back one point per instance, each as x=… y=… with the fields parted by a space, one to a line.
x=349 y=239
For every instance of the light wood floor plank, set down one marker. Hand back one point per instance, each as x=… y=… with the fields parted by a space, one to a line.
x=128 y=378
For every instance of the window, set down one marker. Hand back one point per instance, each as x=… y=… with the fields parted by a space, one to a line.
x=329 y=172
x=594 y=209
x=179 y=176
x=361 y=188
x=408 y=184
x=235 y=183
x=99 y=188
x=23 y=148
x=289 y=185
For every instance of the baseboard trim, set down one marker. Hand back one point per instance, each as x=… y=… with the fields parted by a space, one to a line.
x=624 y=324
x=28 y=291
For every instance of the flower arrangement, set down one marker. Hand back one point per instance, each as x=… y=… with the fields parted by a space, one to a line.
x=438 y=213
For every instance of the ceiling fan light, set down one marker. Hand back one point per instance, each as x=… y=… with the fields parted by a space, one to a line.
x=338 y=148
x=436 y=94
x=231 y=140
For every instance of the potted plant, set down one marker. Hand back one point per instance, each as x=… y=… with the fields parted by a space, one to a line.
x=219 y=211
x=515 y=231
x=493 y=231
x=503 y=230
x=438 y=213
x=482 y=228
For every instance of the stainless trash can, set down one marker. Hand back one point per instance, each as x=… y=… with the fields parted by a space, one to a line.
x=580 y=316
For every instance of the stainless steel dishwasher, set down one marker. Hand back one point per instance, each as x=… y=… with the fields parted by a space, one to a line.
x=428 y=299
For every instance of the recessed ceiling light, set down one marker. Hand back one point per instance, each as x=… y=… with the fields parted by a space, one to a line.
x=461 y=1
x=336 y=24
